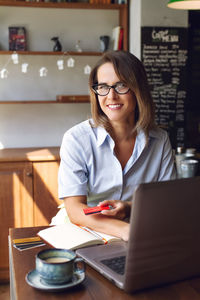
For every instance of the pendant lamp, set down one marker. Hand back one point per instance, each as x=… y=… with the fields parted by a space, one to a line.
x=184 y=4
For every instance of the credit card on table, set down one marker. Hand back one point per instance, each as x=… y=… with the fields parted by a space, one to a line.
x=28 y=243
x=22 y=247
x=96 y=209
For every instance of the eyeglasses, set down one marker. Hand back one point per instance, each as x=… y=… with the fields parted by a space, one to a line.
x=104 y=89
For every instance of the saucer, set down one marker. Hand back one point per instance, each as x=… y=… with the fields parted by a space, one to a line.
x=34 y=280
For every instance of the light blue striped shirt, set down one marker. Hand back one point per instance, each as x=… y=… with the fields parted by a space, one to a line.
x=89 y=165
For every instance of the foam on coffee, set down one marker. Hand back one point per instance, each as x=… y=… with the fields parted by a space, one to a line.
x=56 y=259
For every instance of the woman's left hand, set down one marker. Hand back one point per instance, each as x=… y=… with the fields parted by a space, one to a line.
x=120 y=209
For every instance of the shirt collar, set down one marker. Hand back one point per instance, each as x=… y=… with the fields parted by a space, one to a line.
x=102 y=134
x=141 y=138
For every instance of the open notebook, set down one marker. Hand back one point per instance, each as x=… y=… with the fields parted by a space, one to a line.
x=70 y=236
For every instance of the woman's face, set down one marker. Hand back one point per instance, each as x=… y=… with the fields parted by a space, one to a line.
x=117 y=107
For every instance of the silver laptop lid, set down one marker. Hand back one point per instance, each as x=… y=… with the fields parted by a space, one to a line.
x=164 y=243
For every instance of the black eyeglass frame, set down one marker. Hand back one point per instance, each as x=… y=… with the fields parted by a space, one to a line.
x=109 y=87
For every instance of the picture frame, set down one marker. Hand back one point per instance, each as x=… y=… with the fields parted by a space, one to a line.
x=17 y=38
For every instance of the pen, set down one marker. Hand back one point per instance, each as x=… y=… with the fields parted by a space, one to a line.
x=94 y=233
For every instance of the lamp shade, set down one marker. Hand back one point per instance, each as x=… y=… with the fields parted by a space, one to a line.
x=184 y=4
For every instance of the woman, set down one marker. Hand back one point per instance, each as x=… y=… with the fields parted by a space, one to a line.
x=105 y=158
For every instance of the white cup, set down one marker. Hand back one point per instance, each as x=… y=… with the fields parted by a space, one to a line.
x=188 y=168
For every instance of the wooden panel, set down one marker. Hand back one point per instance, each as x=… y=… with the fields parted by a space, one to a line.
x=46 y=200
x=124 y=22
x=16 y=205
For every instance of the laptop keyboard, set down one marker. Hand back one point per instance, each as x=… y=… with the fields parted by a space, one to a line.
x=116 y=264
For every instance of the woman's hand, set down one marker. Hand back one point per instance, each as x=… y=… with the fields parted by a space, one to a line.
x=120 y=209
x=109 y=222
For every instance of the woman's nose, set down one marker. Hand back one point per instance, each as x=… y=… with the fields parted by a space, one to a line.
x=112 y=94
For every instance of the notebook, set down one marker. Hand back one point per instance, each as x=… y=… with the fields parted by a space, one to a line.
x=164 y=242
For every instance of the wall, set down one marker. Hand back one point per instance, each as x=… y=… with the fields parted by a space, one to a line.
x=152 y=13
x=23 y=125
x=38 y=125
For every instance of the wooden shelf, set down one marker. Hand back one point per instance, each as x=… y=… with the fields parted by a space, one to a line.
x=29 y=154
x=122 y=9
x=69 y=5
x=123 y=12
x=64 y=53
x=28 y=101
x=72 y=98
x=59 y=99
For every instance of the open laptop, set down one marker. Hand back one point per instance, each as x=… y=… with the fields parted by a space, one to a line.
x=164 y=242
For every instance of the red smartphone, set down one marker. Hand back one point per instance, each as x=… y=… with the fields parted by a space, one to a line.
x=95 y=210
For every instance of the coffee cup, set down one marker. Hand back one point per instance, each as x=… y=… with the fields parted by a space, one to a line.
x=188 y=168
x=57 y=266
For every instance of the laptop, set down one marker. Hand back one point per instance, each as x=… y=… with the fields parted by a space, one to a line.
x=164 y=242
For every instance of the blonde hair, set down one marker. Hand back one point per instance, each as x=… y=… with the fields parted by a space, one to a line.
x=130 y=70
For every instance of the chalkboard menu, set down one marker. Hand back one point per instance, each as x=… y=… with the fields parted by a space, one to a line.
x=164 y=55
x=194 y=61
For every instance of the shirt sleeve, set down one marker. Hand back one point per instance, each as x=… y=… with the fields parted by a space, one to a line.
x=72 y=175
x=167 y=170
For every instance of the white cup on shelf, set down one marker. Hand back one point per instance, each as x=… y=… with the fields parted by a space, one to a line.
x=188 y=168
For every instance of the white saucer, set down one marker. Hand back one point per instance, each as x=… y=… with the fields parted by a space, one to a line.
x=34 y=280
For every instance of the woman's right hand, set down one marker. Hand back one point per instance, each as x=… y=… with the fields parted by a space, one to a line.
x=109 y=221
x=120 y=209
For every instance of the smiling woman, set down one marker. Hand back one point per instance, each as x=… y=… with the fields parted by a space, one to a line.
x=125 y=68
x=119 y=103
x=103 y=159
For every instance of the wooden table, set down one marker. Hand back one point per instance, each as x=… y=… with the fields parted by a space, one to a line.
x=95 y=286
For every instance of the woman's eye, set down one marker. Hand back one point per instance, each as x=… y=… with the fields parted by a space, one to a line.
x=102 y=87
x=121 y=85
